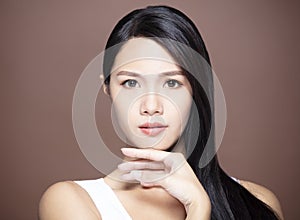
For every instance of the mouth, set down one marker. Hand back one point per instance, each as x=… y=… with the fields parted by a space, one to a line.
x=152 y=129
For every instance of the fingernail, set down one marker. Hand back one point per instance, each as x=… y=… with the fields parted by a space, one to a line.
x=147 y=184
x=123 y=150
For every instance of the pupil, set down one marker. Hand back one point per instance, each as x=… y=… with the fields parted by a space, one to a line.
x=131 y=83
x=171 y=83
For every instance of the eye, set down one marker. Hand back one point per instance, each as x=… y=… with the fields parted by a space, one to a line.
x=130 y=83
x=172 y=83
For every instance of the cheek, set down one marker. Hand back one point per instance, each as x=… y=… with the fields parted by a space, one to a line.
x=185 y=112
x=122 y=101
x=180 y=110
x=122 y=108
x=178 y=120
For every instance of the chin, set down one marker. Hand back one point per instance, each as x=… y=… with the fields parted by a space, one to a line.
x=163 y=144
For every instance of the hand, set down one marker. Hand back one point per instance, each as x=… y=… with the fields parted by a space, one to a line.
x=169 y=171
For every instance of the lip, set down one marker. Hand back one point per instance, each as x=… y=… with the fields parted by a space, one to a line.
x=152 y=129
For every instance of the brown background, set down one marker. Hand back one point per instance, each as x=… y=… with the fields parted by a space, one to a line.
x=45 y=45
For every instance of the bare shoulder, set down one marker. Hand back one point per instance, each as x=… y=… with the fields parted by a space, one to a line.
x=265 y=195
x=67 y=200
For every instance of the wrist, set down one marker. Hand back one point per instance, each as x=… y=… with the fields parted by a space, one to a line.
x=198 y=210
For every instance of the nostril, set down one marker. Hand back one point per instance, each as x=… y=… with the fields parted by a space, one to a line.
x=150 y=105
x=151 y=112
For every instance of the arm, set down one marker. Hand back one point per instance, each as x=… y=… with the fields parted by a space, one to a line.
x=64 y=200
x=194 y=212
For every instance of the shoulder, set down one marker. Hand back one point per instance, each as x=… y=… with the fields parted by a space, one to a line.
x=67 y=200
x=263 y=194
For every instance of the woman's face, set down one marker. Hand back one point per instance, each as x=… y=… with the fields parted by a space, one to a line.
x=151 y=98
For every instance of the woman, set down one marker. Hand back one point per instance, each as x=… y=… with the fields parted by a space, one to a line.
x=156 y=102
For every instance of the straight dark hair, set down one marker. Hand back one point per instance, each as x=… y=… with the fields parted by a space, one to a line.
x=229 y=199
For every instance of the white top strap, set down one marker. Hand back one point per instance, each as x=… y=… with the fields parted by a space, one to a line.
x=105 y=199
x=236 y=180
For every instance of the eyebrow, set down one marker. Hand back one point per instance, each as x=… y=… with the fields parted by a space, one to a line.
x=169 y=73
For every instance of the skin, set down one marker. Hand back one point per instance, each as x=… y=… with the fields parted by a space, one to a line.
x=151 y=89
x=150 y=179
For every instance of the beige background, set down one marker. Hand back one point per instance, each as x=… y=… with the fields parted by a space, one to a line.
x=45 y=45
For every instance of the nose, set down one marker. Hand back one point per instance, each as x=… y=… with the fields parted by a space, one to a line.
x=151 y=105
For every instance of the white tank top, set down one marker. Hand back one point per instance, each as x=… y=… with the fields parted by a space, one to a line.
x=105 y=199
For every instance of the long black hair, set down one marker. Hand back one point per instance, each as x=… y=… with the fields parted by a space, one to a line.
x=229 y=199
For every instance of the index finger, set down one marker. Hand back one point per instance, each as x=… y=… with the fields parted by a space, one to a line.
x=149 y=154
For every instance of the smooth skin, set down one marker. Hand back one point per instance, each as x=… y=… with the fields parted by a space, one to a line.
x=151 y=183
x=161 y=199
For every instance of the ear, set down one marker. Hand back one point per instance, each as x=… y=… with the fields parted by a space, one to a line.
x=106 y=89
x=104 y=86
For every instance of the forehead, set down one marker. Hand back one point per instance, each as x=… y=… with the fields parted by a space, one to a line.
x=148 y=67
x=144 y=55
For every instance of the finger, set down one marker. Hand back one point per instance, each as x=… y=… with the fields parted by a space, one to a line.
x=128 y=177
x=149 y=154
x=175 y=161
x=145 y=176
x=139 y=165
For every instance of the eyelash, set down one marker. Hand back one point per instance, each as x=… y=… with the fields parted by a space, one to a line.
x=177 y=83
x=125 y=83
